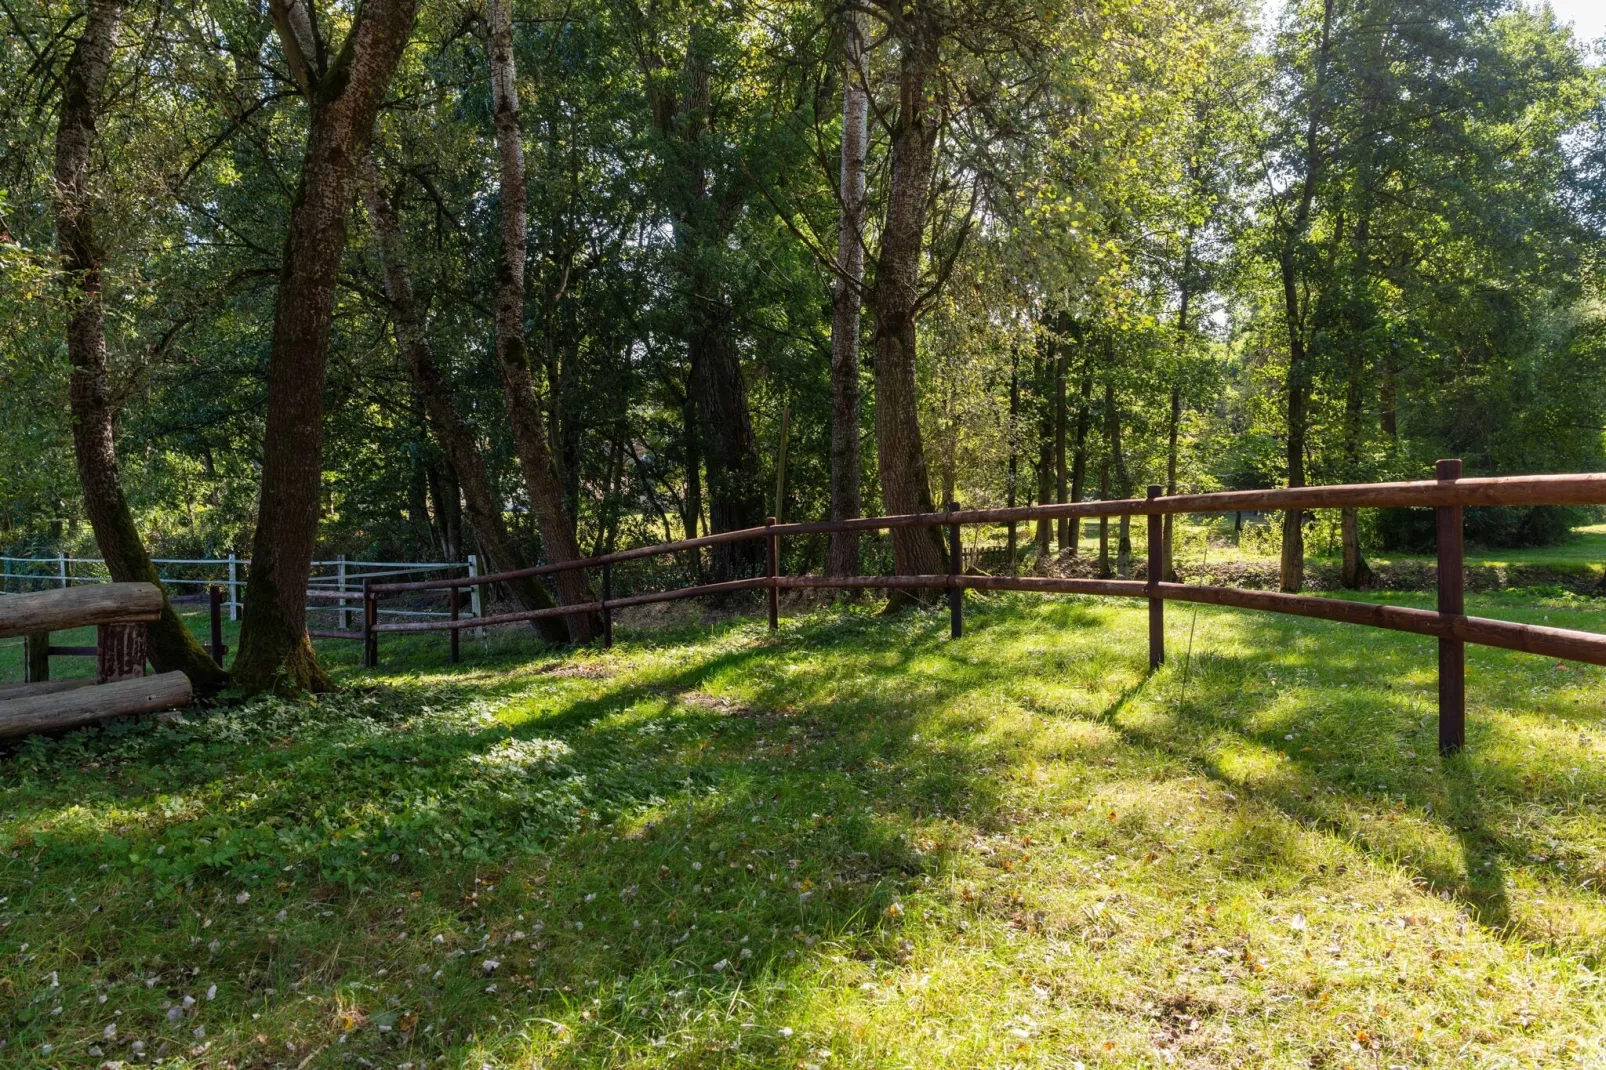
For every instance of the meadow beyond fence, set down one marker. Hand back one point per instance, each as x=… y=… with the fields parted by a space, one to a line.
x=1448 y=494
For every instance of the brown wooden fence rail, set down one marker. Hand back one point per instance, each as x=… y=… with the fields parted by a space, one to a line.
x=1448 y=494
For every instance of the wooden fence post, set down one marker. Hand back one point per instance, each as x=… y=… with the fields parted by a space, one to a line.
x=1155 y=567
x=36 y=657
x=455 y=601
x=775 y=571
x=214 y=606
x=607 y=612
x=1452 y=599
x=956 y=568
x=370 y=617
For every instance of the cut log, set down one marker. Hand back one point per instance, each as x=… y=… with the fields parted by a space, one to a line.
x=44 y=687
x=74 y=607
x=119 y=652
x=86 y=705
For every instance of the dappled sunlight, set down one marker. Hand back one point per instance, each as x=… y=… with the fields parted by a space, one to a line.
x=852 y=836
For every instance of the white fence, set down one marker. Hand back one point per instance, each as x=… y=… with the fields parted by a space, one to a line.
x=341 y=575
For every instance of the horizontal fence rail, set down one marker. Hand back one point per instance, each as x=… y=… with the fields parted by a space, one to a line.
x=337 y=580
x=1448 y=495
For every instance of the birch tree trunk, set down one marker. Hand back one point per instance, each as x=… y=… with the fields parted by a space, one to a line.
x=344 y=89
x=171 y=646
x=513 y=355
x=454 y=435
x=846 y=304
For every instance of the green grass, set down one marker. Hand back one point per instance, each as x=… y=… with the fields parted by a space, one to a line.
x=853 y=843
x=1582 y=555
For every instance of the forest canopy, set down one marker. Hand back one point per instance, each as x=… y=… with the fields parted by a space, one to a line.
x=536 y=280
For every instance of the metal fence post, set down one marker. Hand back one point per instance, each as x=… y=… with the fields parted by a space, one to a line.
x=340 y=578
x=234 y=586
x=1452 y=599
x=61 y=560
x=956 y=567
x=1155 y=566
x=474 y=592
x=454 y=601
x=773 y=543
x=607 y=612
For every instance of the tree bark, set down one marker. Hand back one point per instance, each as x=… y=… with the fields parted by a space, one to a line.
x=454 y=435
x=171 y=645
x=1045 y=445
x=344 y=91
x=1104 y=520
x=900 y=454
x=541 y=480
x=1297 y=382
x=846 y=304
x=1012 y=478
x=1084 y=416
x=1123 y=480
x=1062 y=488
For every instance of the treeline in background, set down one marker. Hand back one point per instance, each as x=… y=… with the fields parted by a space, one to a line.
x=603 y=264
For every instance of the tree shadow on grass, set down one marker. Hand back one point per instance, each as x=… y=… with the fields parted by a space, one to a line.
x=629 y=853
x=1359 y=736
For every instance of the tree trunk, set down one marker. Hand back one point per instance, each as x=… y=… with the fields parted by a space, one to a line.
x=1168 y=568
x=343 y=97
x=1084 y=416
x=846 y=304
x=171 y=646
x=1123 y=480
x=1297 y=383
x=1062 y=488
x=900 y=455
x=456 y=439
x=1104 y=521
x=524 y=414
x=1045 y=446
x=1012 y=479
x=692 y=507
x=730 y=455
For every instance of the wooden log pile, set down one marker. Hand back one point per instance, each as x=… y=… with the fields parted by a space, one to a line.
x=119 y=612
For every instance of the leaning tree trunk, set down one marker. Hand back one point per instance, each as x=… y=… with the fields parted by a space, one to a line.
x=343 y=96
x=846 y=304
x=900 y=455
x=479 y=495
x=171 y=646
x=524 y=415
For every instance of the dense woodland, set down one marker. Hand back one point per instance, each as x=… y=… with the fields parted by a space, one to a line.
x=535 y=279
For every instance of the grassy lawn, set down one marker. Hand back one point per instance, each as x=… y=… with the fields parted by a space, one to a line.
x=853 y=843
x=1583 y=554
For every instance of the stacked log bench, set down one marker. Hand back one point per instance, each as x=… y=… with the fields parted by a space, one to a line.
x=119 y=688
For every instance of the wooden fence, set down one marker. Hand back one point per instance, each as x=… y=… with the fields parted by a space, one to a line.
x=1448 y=494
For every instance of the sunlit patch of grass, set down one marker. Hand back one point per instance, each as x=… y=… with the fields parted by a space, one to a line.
x=852 y=843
